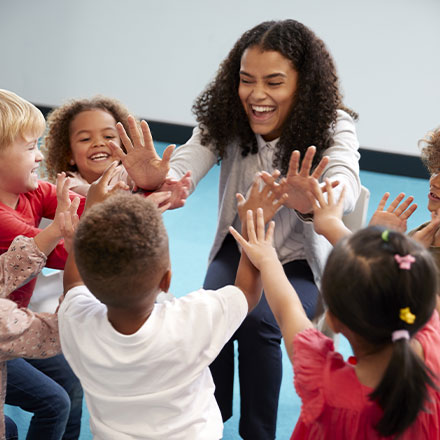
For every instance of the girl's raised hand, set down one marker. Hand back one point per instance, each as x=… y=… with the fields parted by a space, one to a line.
x=100 y=189
x=259 y=246
x=141 y=161
x=396 y=215
x=327 y=214
x=267 y=198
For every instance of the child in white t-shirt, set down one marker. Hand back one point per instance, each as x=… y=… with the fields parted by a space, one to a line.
x=144 y=366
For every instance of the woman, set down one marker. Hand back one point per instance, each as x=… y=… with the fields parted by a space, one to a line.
x=276 y=92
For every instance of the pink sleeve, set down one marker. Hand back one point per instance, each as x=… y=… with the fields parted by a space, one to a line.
x=310 y=351
x=429 y=338
x=19 y=263
x=27 y=334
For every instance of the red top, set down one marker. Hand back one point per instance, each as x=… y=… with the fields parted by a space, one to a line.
x=24 y=220
x=335 y=405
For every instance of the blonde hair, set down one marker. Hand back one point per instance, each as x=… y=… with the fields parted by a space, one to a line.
x=18 y=117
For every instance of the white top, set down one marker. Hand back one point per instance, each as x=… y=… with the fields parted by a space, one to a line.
x=155 y=383
x=237 y=174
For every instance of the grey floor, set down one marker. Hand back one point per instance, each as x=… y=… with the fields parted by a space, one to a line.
x=191 y=230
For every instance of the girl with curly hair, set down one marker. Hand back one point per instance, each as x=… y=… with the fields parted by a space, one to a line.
x=277 y=91
x=77 y=142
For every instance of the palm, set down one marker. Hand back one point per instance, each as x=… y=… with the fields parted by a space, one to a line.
x=141 y=161
x=298 y=183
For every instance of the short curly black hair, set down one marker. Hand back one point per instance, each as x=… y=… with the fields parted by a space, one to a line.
x=56 y=145
x=220 y=113
x=430 y=146
x=121 y=249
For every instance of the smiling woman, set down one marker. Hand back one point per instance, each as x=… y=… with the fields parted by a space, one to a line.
x=276 y=91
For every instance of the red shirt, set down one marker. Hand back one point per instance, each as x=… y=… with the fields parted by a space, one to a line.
x=24 y=220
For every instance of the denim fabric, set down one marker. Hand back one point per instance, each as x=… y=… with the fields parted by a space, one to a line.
x=49 y=389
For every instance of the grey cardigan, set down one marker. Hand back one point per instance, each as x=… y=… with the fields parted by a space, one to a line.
x=237 y=173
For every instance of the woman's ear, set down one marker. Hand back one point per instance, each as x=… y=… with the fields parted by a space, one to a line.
x=165 y=282
x=71 y=162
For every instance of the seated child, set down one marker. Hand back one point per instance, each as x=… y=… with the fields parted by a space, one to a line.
x=144 y=366
x=38 y=386
x=24 y=333
x=77 y=142
x=380 y=290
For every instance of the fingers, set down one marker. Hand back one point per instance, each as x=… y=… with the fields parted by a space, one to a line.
x=240 y=198
x=240 y=240
x=250 y=226
x=260 y=224
x=117 y=150
x=270 y=232
x=317 y=172
x=329 y=190
x=124 y=137
x=135 y=134
x=306 y=164
x=167 y=155
x=342 y=196
x=399 y=210
x=383 y=201
x=316 y=193
x=395 y=202
x=293 y=164
x=74 y=206
x=409 y=212
x=107 y=174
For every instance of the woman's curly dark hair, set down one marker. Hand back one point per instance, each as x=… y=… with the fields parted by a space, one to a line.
x=56 y=145
x=220 y=113
x=430 y=146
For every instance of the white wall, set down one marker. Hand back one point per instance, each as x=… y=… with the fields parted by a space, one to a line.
x=156 y=56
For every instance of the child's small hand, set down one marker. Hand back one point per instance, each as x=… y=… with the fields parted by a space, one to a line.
x=68 y=223
x=259 y=246
x=427 y=235
x=100 y=189
x=178 y=189
x=266 y=199
x=396 y=216
x=326 y=213
x=161 y=199
x=142 y=162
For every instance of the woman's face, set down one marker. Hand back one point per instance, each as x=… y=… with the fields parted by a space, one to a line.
x=90 y=133
x=268 y=82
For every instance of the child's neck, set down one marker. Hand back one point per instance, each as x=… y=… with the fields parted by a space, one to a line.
x=9 y=199
x=130 y=320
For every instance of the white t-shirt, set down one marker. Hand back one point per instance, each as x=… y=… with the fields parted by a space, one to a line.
x=154 y=384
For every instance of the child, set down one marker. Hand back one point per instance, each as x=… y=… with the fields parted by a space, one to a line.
x=144 y=366
x=380 y=289
x=427 y=235
x=48 y=387
x=77 y=142
x=24 y=333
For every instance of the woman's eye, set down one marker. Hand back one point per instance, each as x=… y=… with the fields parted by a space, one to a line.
x=245 y=81
x=275 y=83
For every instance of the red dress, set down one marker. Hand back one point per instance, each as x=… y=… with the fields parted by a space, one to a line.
x=335 y=405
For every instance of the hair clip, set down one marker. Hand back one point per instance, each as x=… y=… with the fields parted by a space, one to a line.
x=399 y=334
x=406 y=315
x=385 y=235
x=404 y=261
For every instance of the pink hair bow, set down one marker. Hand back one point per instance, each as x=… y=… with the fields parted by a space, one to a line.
x=404 y=261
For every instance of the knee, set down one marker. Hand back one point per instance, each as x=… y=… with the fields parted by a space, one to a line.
x=55 y=404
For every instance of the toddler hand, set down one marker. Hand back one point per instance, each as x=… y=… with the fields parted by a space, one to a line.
x=427 y=235
x=267 y=199
x=178 y=189
x=259 y=247
x=396 y=216
x=100 y=189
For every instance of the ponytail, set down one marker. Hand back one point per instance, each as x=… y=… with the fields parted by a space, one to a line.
x=403 y=389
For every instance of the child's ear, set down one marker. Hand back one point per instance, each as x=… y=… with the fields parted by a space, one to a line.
x=165 y=282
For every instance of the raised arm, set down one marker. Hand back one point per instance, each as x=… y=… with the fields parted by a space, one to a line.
x=281 y=296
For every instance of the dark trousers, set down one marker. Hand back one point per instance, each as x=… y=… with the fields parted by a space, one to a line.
x=259 y=352
x=49 y=389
